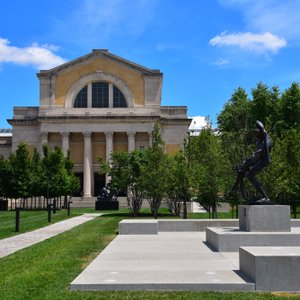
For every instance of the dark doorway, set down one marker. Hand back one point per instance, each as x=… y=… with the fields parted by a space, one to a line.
x=80 y=192
x=99 y=183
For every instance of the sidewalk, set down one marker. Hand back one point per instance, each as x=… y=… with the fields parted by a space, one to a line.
x=163 y=261
x=21 y=241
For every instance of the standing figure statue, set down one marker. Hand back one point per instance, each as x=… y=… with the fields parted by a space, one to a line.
x=254 y=164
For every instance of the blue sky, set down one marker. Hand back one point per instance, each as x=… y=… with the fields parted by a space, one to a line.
x=205 y=48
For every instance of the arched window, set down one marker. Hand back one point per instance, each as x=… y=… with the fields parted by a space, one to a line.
x=81 y=98
x=119 y=99
x=100 y=95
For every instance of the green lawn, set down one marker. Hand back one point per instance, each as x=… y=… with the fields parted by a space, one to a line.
x=45 y=270
x=33 y=219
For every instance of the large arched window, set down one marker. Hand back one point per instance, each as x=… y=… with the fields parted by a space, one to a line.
x=100 y=95
x=81 y=98
x=119 y=99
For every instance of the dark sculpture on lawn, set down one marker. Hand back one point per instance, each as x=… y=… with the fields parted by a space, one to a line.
x=253 y=165
x=107 y=194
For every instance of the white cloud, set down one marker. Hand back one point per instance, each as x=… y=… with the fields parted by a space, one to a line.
x=279 y=17
x=260 y=43
x=41 y=57
x=222 y=62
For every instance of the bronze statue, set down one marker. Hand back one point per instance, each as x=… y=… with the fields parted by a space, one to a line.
x=253 y=165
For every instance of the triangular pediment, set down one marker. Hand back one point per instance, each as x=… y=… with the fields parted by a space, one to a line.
x=99 y=53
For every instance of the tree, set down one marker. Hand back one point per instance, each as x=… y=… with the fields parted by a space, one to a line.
x=285 y=171
x=5 y=177
x=290 y=107
x=153 y=178
x=20 y=168
x=125 y=175
x=210 y=170
x=178 y=182
x=73 y=182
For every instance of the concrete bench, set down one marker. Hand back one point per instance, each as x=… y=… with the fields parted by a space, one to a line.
x=138 y=227
x=189 y=225
x=272 y=268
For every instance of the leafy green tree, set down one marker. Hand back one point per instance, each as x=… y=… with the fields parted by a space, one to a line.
x=285 y=170
x=125 y=176
x=290 y=107
x=73 y=183
x=153 y=178
x=178 y=182
x=20 y=168
x=5 y=177
x=210 y=172
x=55 y=172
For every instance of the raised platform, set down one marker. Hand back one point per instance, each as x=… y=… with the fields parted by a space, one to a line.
x=166 y=261
x=264 y=218
x=138 y=226
x=226 y=239
x=272 y=268
x=259 y=225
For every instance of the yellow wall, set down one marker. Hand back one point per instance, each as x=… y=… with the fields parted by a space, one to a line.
x=172 y=148
x=120 y=141
x=133 y=79
x=54 y=140
x=98 y=146
x=76 y=147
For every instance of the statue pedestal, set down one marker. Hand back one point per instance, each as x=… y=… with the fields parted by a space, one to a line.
x=265 y=218
x=260 y=225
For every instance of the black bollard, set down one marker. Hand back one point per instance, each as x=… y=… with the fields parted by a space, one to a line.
x=69 y=207
x=54 y=206
x=49 y=213
x=17 y=219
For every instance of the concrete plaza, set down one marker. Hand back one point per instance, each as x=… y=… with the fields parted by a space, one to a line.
x=165 y=261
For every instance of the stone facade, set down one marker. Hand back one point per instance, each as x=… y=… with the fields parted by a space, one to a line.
x=70 y=115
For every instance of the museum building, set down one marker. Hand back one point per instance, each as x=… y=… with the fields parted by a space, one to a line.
x=93 y=105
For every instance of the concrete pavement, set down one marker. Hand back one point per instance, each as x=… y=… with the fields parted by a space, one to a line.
x=165 y=261
x=21 y=241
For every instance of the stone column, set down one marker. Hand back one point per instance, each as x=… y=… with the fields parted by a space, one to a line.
x=65 y=142
x=109 y=148
x=109 y=144
x=89 y=95
x=87 y=164
x=150 y=138
x=44 y=140
x=110 y=95
x=131 y=141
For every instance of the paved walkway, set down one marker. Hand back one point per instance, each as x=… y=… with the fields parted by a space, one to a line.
x=21 y=241
x=166 y=261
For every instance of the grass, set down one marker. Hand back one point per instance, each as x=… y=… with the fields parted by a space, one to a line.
x=34 y=219
x=45 y=270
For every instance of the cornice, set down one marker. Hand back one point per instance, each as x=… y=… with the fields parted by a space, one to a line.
x=24 y=122
x=98 y=53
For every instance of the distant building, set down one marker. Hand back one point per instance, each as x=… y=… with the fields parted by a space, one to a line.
x=5 y=142
x=197 y=124
x=92 y=106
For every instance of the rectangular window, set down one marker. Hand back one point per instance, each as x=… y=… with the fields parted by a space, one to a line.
x=100 y=94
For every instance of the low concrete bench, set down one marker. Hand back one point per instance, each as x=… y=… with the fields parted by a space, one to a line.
x=189 y=225
x=272 y=268
x=138 y=227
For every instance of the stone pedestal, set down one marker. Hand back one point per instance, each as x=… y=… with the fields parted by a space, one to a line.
x=265 y=218
x=272 y=268
x=259 y=225
x=107 y=205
